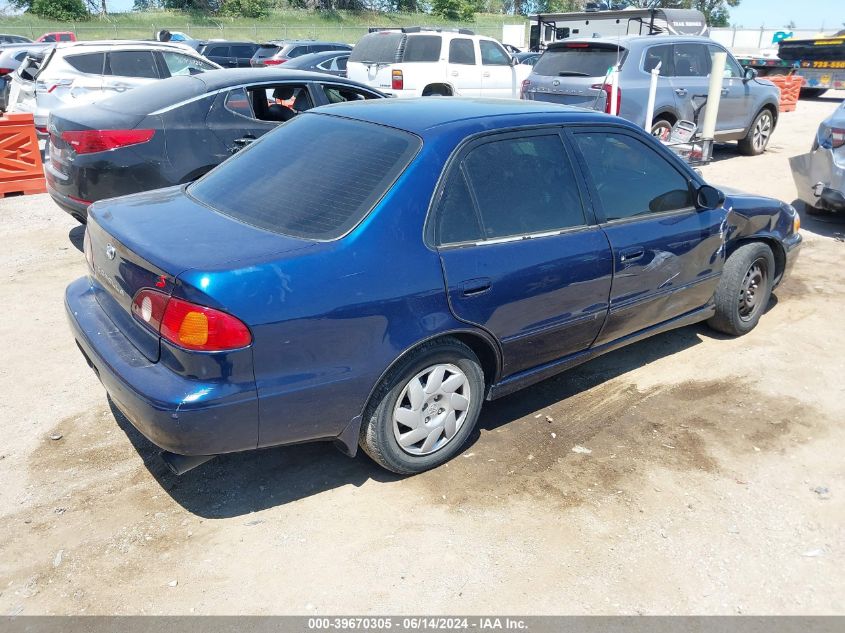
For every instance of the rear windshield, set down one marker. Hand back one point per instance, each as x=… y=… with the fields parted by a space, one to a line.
x=304 y=179
x=379 y=48
x=587 y=61
x=267 y=50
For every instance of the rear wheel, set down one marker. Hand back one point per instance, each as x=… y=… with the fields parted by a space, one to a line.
x=661 y=128
x=758 y=135
x=425 y=408
x=744 y=289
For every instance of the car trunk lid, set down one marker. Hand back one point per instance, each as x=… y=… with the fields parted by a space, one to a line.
x=147 y=240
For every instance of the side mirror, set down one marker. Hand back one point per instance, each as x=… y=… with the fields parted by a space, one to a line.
x=708 y=197
x=749 y=74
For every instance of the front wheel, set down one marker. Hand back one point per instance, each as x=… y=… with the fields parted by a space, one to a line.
x=743 y=291
x=425 y=408
x=757 y=138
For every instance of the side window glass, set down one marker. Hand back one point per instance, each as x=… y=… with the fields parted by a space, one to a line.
x=523 y=186
x=631 y=178
x=662 y=55
x=218 y=51
x=462 y=51
x=457 y=220
x=178 y=64
x=341 y=62
x=422 y=48
x=91 y=63
x=339 y=94
x=732 y=68
x=242 y=51
x=691 y=60
x=132 y=64
x=492 y=54
x=237 y=101
x=297 y=51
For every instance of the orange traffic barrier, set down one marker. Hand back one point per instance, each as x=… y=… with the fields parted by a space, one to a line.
x=790 y=89
x=21 y=171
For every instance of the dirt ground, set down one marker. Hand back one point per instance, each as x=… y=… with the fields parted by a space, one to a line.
x=715 y=485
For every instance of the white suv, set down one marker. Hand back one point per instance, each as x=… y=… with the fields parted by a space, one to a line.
x=415 y=62
x=84 y=72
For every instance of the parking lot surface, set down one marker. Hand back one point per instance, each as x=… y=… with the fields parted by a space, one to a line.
x=712 y=480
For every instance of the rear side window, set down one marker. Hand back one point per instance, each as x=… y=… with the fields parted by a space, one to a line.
x=461 y=51
x=422 y=48
x=662 y=55
x=521 y=186
x=242 y=51
x=132 y=64
x=377 y=48
x=238 y=102
x=581 y=61
x=631 y=178
x=91 y=63
x=218 y=51
x=297 y=51
x=314 y=193
x=691 y=60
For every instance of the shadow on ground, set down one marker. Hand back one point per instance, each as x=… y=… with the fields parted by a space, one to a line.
x=242 y=483
x=821 y=222
x=76 y=236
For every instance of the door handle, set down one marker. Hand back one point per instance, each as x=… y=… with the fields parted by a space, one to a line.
x=472 y=287
x=485 y=74
x=681 y=92
x=631 y=254
x=724 y=92
x=454 y=73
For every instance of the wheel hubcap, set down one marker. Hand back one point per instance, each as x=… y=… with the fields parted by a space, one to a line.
x=752 y=291
x=762 y=131
x=431 y=409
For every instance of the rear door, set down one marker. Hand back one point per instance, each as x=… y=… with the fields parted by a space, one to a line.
x=241 y=54
x=520 y=253
x=498 y=77
x=219 y=54
x=464 y=68
x=567 y=73
x=667 y=254
x=127 y=69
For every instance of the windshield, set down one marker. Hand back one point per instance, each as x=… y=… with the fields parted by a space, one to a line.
x=306 y=179
x=587 y=60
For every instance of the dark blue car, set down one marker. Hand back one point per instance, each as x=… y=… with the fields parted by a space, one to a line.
x=371 y=273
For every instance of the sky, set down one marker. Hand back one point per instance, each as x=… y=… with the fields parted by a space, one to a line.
x=807 y=14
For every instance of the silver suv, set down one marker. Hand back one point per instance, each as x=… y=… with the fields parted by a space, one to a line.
x=574 y=72
x=85 y=72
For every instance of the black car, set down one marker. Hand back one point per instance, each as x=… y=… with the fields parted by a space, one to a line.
x=277 y=52
x=331 y=62
x=229 y=54
x=6 y=38
x=173 y=131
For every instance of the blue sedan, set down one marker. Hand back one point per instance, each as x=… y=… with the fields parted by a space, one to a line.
x=371 y=273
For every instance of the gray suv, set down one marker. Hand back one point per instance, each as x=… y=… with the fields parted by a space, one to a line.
x=573 y=72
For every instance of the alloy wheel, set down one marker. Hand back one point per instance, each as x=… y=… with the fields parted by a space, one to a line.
x=762 y=131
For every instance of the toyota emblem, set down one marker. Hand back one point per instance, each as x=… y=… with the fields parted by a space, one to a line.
x=110 y=252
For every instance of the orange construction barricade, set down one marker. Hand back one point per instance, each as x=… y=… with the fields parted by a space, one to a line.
x=21 y=171
x=790 y=89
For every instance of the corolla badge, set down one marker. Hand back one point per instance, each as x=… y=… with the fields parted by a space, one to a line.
x=110 y=252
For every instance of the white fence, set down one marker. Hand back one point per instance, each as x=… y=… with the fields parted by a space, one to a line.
x=749 y=41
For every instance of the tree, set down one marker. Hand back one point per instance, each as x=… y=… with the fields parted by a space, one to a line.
x=245 y=8
x=452 y=9
x=59 y=10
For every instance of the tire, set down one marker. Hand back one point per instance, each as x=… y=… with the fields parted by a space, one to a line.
x=661 y=128
x=392 y=443
x=743 y=291
x=757 y=138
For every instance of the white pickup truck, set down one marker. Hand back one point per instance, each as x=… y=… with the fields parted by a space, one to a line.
x=415 y=62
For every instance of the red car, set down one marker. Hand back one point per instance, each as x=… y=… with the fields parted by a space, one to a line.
x=58 y=36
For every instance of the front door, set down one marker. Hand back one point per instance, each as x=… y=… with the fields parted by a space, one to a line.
x=667 y=254
x=735 y=113
x=521 y=257
x=498 y=77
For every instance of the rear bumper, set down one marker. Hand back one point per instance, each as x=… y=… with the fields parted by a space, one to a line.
x=180 y=415
x=78 y=210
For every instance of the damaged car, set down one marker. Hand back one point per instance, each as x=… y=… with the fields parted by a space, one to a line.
x=820 y=174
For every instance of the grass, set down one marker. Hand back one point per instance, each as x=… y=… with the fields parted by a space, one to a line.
x=337 y=25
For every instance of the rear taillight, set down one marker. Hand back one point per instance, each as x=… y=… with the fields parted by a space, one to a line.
x=524 y=88
x=90 y=141
x=5 y=71
x=86 y=248
x=274 y=62
x=187 y=324
x=397 y=80
x=41 y=129
x=837 y=137
x=608 y=91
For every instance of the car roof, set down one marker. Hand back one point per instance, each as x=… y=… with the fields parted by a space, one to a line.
x=626 y=41
x=465 y=116
x=112 y=44
x=218 y=79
